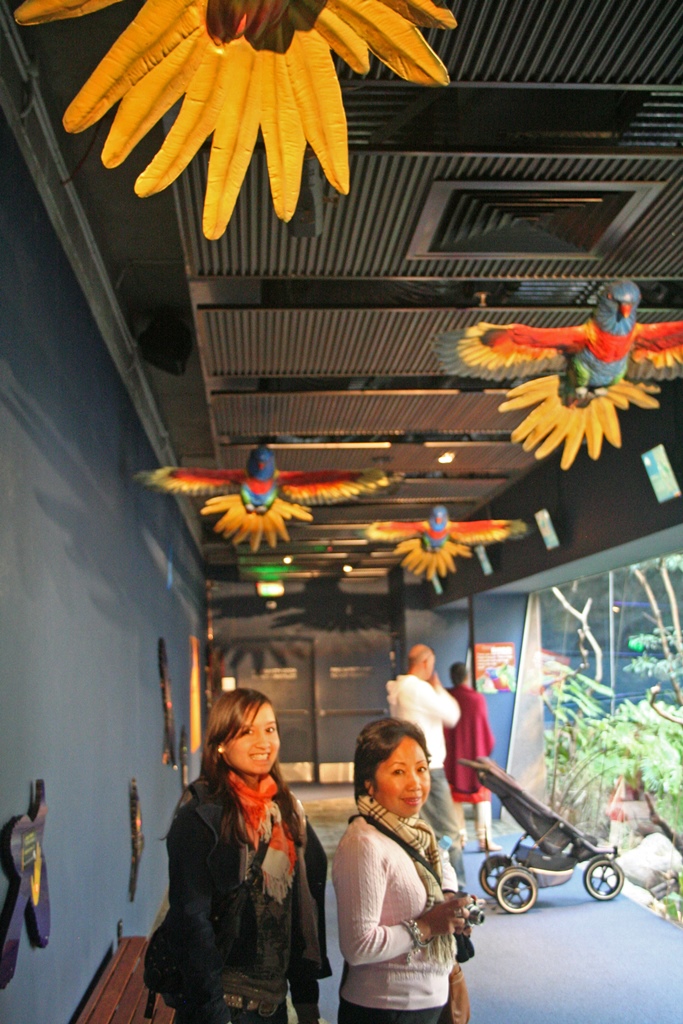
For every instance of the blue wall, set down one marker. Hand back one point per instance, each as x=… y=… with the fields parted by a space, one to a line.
x=83 y=601
x=445 y=629
x=497 y=618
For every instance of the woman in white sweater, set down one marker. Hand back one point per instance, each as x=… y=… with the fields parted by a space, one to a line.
x=396 y=917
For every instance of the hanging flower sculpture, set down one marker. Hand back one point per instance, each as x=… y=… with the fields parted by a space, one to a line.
x=431 y=547
x=594 y=369
x=243 y=65
x=265 y=497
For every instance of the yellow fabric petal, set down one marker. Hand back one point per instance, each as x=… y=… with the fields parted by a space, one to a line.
x=159 y=27
x=423 y=12
x=318 y=97
x=398 y=44
x=234 y=137
x=151 y=98
x=283 y=133
x=35 y=12
x=195 y=122
x=339 y=36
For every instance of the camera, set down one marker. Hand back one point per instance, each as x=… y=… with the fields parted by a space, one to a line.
x=473 y=906
x=476 y=911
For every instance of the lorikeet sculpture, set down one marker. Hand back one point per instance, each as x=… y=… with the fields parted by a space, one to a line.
x=265 y=497
x=430 y=547
x=593 y=369
x=243 y=65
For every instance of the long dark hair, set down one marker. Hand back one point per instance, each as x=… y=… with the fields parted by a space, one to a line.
x=377 y=742
x=228 y=716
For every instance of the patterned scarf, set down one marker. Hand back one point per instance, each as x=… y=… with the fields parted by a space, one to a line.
x=418 y=834
x=263 y=822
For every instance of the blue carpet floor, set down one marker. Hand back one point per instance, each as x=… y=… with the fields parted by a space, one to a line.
x=569 y=960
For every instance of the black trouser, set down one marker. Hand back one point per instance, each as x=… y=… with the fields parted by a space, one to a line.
x=350 y=1013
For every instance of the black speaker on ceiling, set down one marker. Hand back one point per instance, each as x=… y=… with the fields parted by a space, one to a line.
x=166 y=342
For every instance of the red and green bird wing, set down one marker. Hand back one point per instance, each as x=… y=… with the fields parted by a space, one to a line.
x=657 y=353
x=176 y=480
x=393 y=532
x=486 y=531
x=507 y=351
x=329 y=486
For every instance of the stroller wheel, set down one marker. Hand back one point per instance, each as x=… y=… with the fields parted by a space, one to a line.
x=603 y=879
x=516 y=890
x=491 y=870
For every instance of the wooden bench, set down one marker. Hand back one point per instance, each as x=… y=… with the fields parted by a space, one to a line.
x=121 y=995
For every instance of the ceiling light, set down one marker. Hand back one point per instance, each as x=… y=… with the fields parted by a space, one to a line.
x=348 y=568
x=446 y=457
x=287 y=559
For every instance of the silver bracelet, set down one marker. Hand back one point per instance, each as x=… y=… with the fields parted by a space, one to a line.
x=412 y=927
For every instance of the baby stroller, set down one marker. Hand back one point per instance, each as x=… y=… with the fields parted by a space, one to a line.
x=550 y=860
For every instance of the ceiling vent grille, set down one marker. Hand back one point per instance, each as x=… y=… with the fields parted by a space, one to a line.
x=575 y=220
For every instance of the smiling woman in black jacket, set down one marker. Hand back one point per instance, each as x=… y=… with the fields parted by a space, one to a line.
x=246 y=879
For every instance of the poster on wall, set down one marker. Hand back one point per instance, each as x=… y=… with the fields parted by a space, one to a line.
x=494 y=667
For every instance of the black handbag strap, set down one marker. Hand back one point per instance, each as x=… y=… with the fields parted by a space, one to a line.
x=259 y=857
x=401 y=842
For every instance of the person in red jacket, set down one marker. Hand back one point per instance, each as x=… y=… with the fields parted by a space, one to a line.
x=471 y=737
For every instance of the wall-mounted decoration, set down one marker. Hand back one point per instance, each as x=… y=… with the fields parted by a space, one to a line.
x=168 y=755
x=136 y=837
x=592 y=370
x=195 y=698
x=661 y=475
x=431 y=547
x=494 y=667
x=266 y=497
x=184 y=777
x=28 y=896
x=243 y=66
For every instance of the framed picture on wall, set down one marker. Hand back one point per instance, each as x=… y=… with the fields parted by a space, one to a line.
x=494 y=667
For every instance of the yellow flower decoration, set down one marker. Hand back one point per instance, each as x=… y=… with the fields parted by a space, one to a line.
x=592 y=417
x=239 y=524
x=243 y=65
x=422 y=561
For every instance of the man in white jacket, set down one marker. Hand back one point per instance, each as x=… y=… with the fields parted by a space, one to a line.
x=419 y=697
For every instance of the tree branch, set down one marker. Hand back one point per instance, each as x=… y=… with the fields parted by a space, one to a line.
x=661 y=629
x=585 y=629
x=651 y=695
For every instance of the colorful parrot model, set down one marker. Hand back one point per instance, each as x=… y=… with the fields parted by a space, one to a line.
x=243 y=68
x=594 y=369
x=430 y=547
x=265 y=496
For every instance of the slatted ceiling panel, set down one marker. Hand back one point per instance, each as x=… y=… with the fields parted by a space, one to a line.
x=562 y=41
x=491 y=458
x=441 y=491
x=354 y=342
x=355 y=242
x=370 y=413
x=498 y=457
x=330 y=342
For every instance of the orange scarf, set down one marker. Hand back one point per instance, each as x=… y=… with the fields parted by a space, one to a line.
x=263 y=821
